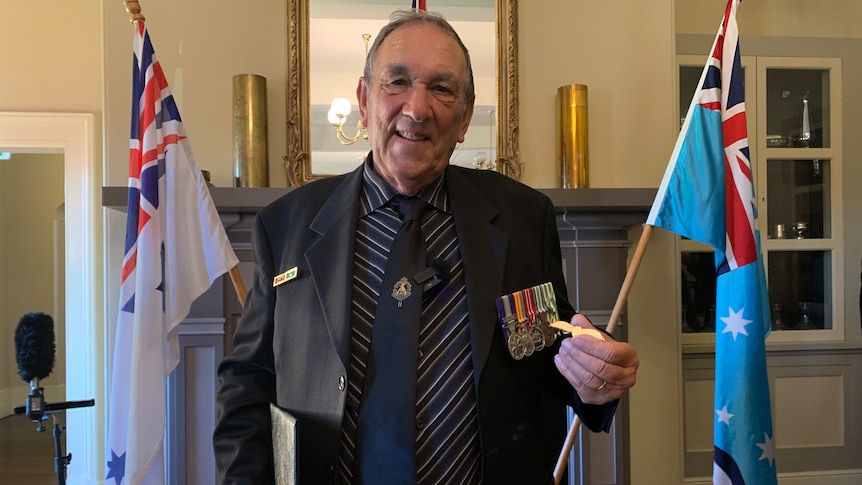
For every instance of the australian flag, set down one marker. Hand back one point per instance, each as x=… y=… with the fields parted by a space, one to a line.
x=707 y=194
x=175 y=247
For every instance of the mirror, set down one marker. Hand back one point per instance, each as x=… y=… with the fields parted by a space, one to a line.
x=298 y=159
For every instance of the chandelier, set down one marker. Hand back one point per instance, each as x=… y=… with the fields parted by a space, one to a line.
x=339 y=110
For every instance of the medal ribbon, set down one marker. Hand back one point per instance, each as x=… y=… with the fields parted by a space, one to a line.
x=504 y=311
x=539 y=300
x=551 y=301
x=530 y=304
x=519 y=308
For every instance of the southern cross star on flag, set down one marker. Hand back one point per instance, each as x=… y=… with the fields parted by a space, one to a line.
x=175 y=248
x=707 y=195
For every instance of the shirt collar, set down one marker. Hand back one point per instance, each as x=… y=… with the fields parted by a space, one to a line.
x=376 y=193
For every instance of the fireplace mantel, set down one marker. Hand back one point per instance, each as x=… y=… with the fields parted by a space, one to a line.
x=615 y=202
x=578 y=210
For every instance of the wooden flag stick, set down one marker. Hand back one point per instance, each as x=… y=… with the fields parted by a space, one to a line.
x=134 y=9
x=612 y=325
x=238 y=285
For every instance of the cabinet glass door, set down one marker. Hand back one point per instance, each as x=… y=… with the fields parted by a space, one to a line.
x=797 y=108
x=799 y=199
x=793 y=111
x=799 y=149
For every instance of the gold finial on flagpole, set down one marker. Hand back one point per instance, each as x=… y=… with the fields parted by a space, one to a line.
x=134 y=9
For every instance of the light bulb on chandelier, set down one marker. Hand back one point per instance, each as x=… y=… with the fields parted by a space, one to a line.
x=340 y=109
x=338 y=112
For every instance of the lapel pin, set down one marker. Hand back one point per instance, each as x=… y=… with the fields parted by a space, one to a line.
x=285 y=277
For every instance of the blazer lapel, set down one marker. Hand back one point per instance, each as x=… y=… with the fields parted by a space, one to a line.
x=330 y=259
x=483 y=251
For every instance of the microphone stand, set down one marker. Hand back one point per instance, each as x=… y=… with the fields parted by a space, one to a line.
x=37 y=415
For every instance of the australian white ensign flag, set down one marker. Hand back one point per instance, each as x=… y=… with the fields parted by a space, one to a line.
x=175 y=248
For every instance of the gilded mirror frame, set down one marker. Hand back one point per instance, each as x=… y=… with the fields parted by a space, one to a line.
x=297 y=160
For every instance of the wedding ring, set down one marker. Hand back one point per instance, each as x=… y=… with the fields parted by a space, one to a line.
x=604 y=383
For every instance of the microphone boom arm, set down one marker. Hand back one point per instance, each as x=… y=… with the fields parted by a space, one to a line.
x=57 y=407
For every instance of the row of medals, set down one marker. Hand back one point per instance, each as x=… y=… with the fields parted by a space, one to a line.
x=530 y=336
x=526 y=318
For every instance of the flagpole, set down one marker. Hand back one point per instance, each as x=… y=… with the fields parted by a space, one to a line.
x=238 y=285
x=612 y=324
x=134 y=9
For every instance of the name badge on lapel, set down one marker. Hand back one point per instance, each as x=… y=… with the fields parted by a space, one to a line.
x=285 y=277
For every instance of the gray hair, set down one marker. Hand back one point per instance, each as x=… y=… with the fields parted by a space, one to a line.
x=400 y=18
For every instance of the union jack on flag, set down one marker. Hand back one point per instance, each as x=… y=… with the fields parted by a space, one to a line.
x=419 y=5
x=707 y=195
x=175 y=248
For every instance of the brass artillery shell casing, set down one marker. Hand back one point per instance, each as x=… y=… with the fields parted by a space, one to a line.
x=250 y=154
x=573 y=136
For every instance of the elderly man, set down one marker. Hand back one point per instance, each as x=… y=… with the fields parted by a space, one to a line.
x=312 y=337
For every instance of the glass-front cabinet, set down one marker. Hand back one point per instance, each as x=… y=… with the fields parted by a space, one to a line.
x=794 y=127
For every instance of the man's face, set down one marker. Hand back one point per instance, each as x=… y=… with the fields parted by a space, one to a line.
x=414 y=106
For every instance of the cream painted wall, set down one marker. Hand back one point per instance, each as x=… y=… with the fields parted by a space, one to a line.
x=201 y=45
x=623 y=52
x=26 y=256
x=655 y=408
x=51 y=53
x=199 y=69
x=797 y=18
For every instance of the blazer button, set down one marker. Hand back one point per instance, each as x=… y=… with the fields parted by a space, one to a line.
x=341 y=383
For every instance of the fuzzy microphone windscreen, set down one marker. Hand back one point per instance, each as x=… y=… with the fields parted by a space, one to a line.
x=34 y=346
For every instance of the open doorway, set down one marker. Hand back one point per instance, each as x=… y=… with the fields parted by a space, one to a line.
x=73 y=136
x=32 y=262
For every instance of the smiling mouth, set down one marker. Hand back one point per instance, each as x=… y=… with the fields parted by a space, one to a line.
x=410 y=136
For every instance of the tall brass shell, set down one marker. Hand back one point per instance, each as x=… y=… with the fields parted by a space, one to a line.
x=250 y=153
x=573 y=136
